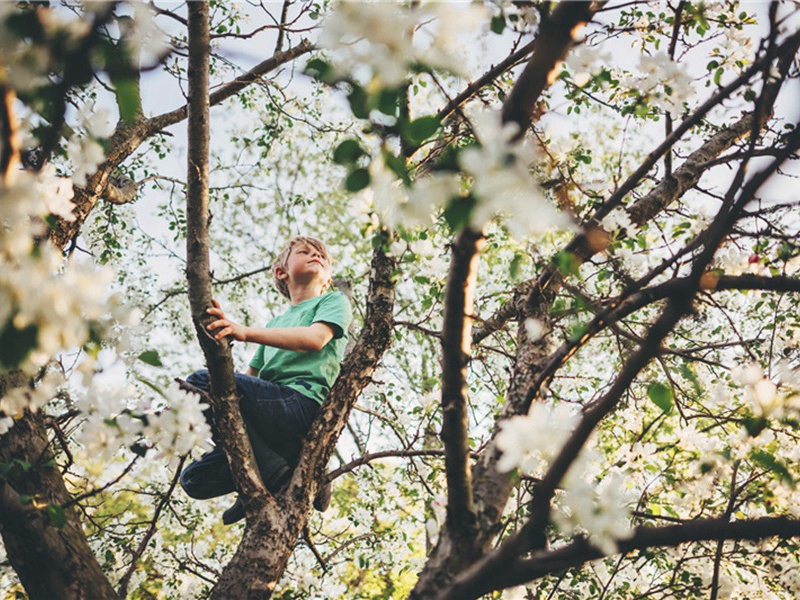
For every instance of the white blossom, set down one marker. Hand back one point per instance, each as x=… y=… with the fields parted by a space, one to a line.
x=379 y=39
x=502 y=181
x=617 y=219
x=584 y=62
x=181 y=428
x=600 y=509
x=86 y=155
x=534 y=329
x=661 y=81
x=411 y=207
x=534 y=438
x=6 y=423
x=748 y=374
x=95 y=120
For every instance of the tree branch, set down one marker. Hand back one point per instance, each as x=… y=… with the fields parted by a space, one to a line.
x=583 y=246
x=698 y=530
x=217 y=354
x=151 y=530
x=531 y=535
x=552 y=43
x=456 y=334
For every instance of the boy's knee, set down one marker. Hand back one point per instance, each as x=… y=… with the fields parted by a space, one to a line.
x=199 y=379
x=246 y=404
x=191 y=484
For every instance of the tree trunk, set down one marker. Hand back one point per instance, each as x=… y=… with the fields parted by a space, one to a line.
x=46 y=547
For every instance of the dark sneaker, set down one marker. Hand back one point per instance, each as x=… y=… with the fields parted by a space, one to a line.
x=234 y=514
x=322 y=500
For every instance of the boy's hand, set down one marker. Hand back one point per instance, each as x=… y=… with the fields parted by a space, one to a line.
x=226 y=327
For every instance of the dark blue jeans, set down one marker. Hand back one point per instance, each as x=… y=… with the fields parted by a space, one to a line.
x=277 y=419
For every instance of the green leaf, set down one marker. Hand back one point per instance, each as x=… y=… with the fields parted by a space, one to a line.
x=15 y=344
x=769 y=462
x=457 y=212
x=51 y=221
x=129 y=99
x=57 y=515
x=359 y=102
x=347 y=153
x=419 y=130
x=498 y=24
x=318 y=69
x=151 y=358
x=397 y=164
x=515 y=266
x=357 y=180
x=661 y=396
x=568 y=263
x=688 y=373
x=718 y=76
x=754 y=425
x=151 y=385
x=389 y=102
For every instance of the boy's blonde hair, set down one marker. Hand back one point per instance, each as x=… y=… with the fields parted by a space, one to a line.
x=282 y=260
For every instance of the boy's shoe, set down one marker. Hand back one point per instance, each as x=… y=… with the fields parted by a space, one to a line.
x=322 y=500
x=234 y=514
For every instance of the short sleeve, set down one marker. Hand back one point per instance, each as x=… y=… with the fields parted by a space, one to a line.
x=334 y=310
x=258 y=359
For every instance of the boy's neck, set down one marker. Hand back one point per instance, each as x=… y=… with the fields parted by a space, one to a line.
x=300 y=293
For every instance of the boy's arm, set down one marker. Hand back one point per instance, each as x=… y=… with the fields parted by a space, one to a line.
x=251 y=371
x=298 y=339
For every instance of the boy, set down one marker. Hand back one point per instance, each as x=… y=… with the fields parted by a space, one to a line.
x=289 y=377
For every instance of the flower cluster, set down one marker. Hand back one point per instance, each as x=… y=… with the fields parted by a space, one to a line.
x=499 y=177
x=763 y=392
x=601 y=509
x=48 y=305
x=115 y=417
x=182 y=428
x=584 y=62
x=530 y=441
x=378 y=39
x=499 y=165
x=661 y=82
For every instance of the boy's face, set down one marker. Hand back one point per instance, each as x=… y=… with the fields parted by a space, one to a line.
x=306 y=265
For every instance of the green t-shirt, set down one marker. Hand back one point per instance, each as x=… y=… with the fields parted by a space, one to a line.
x=310 y=373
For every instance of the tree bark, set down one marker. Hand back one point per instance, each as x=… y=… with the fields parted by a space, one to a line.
x=52 y=562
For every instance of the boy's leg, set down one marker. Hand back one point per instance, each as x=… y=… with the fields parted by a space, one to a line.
x=276 y=417
x=279 y=416
x=210 y=476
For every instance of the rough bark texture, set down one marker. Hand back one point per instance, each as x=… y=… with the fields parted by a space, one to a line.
x=51 y=562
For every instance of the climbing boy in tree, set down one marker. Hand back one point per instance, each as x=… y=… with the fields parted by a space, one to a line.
x=289 y=377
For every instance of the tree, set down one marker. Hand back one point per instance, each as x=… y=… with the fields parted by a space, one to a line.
x=620 y=420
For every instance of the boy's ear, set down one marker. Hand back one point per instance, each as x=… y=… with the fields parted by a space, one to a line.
x=281 y=274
